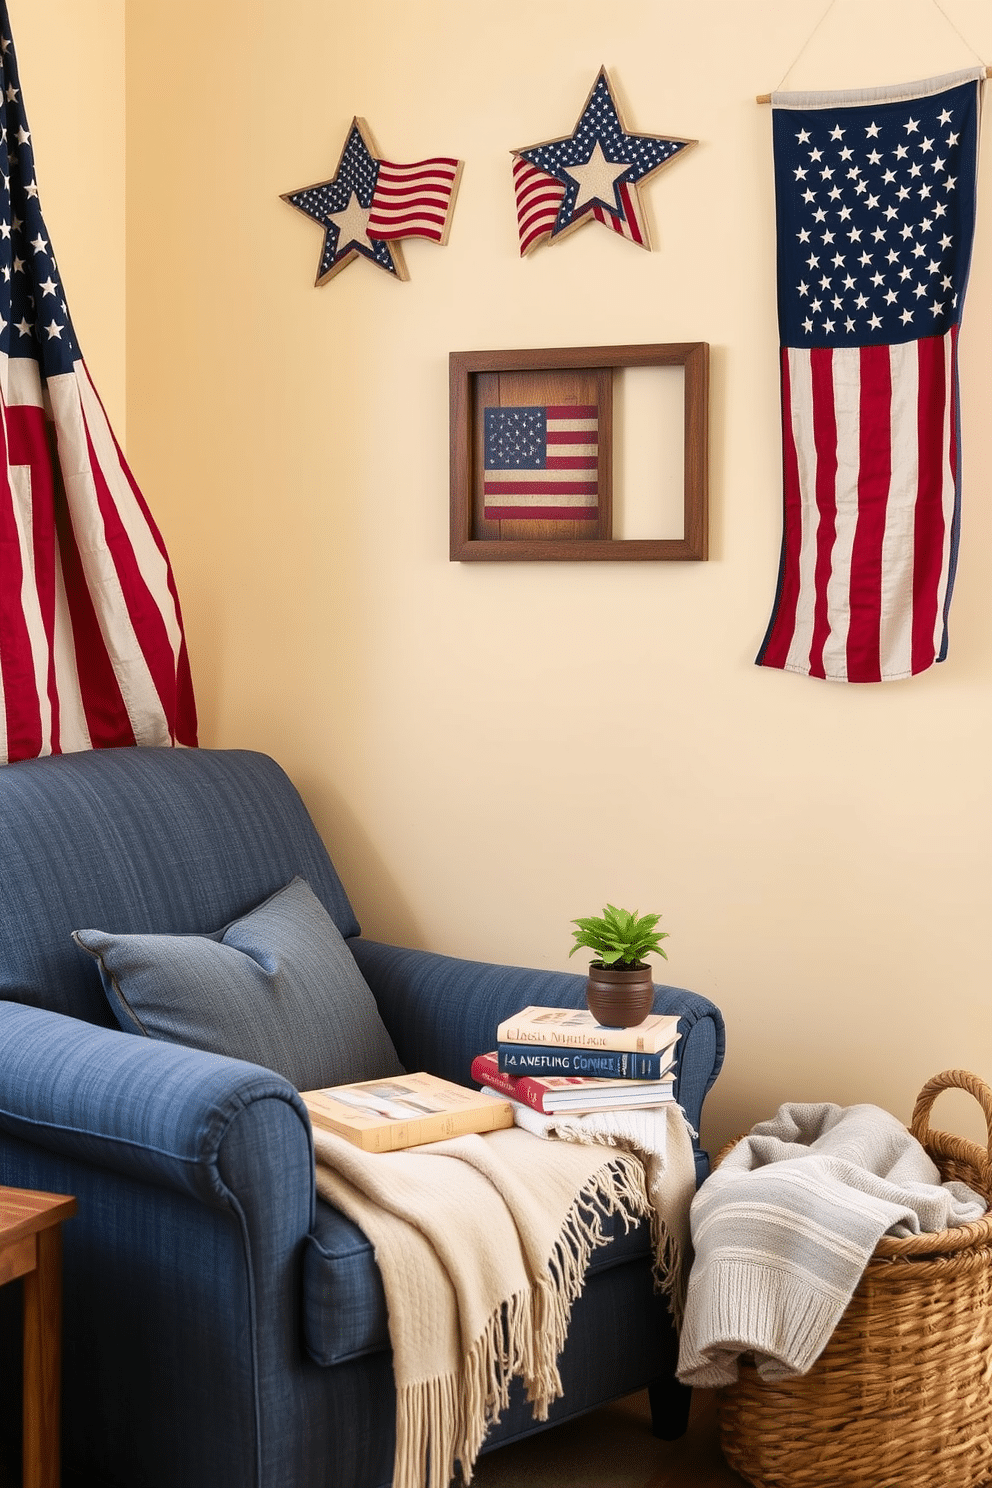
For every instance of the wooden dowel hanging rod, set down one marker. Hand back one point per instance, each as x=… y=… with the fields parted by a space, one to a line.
x=767 y=97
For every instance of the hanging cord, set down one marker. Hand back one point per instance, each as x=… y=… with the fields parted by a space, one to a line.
x=959 y=33
x=767 y=97
x=806 y=43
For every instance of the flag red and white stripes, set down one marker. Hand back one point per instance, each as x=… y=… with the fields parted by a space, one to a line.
x=92 y=652
x=539 y=198
x=414 y=201
x=628 y=224
x=870 y=477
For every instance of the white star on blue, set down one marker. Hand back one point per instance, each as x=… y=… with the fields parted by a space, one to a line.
x=34 y=319
x=516 y=438
x=875 y=211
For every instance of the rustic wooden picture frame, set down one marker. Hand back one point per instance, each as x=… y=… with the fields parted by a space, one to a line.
x=583 y=375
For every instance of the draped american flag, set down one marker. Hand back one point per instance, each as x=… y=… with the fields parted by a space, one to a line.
x=92 y=651
x=541 y=462
x=875 y=205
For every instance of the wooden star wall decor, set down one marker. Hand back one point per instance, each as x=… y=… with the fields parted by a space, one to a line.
x=591 y=175
x=369 y=204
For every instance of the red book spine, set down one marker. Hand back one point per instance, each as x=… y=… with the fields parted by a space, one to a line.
x=486 y=1071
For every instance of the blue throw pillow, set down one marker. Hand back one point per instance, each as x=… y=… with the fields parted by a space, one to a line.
x=278 y=987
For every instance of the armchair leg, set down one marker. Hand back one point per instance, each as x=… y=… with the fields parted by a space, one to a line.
x=670 y=1401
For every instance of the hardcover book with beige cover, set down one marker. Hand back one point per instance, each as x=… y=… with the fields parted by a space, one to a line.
x=574 y=1028
x=404 y=1111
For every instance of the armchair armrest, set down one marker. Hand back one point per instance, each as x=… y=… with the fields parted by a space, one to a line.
x=144 y=1109
x=183 y=1264
x=441 y=1011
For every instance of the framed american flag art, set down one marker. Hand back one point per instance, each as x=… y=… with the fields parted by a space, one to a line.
x=539 y=470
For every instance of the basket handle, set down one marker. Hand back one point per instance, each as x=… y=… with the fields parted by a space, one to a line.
x=950 y=1080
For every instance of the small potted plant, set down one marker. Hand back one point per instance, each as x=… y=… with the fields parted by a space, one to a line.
x=620 y=989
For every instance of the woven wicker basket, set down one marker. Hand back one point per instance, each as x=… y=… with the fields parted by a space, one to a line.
x=902 y=1395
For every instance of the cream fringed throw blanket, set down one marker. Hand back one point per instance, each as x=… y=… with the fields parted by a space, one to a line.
x=482 y=1244
x=659 y=1136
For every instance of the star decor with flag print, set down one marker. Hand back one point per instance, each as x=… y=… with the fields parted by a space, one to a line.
x=874 y=204
x=370 y=203
x=592 y=175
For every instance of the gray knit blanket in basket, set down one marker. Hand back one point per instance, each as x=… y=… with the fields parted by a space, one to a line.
x=784 y=1228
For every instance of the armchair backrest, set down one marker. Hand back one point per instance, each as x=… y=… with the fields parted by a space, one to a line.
x=175 y=841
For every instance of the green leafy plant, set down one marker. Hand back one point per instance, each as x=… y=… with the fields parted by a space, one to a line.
x=620 y=937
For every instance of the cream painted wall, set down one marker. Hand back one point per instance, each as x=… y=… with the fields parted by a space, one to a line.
x=71 y=61
x=493 y=749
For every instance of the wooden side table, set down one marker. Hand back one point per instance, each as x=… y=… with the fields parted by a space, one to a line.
x=31 y=1247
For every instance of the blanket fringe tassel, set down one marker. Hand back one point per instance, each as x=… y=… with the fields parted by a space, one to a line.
x=670 y=1266
x=443 y=1421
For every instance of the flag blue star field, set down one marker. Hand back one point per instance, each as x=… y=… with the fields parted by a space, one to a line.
x=590 y=176
x=92 y=651
x=875 y=207
x=370 y=204
x=541 y=462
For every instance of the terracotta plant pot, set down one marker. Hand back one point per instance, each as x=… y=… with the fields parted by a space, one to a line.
x=619 y=996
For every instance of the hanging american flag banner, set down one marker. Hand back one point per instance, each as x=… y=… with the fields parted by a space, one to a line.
x=875 y=206
x=92 y=651
x=541 y=463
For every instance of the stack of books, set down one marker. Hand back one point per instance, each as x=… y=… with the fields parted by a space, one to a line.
x=558 y=1060
x=553 y=1060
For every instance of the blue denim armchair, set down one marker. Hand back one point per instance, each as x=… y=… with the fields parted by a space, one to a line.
x=222 y=1327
